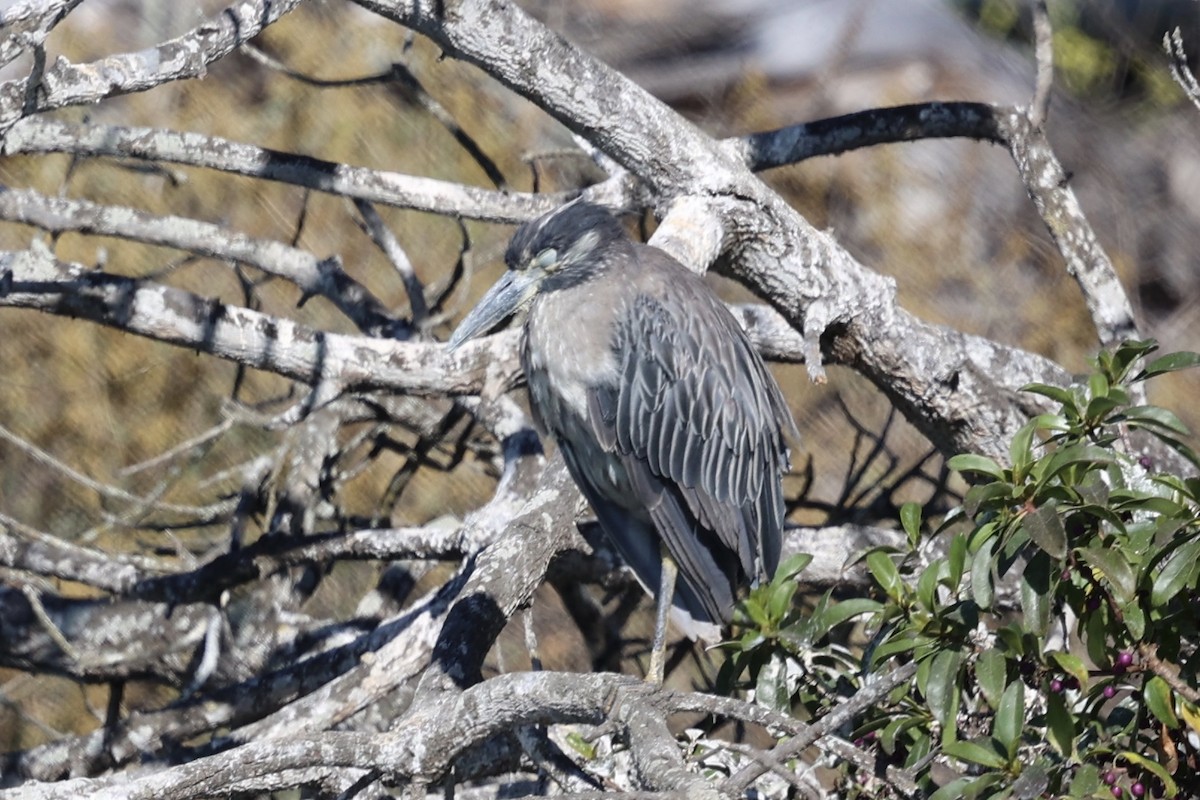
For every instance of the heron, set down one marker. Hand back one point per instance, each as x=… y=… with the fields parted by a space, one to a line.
x=667 y=418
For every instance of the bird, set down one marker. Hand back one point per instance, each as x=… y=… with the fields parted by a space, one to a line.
x=668 y=420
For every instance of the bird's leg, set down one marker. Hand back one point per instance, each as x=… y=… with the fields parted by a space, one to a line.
x=666 y=595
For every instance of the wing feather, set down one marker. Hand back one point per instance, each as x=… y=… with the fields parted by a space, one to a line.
x=700 y=425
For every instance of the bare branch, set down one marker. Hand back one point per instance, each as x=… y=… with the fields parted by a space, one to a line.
x=26 y=25
x=1044 y=178
x=314 y=276
x=1180 y=71
x=36 y=135
x=186 y=56
x=386 y=241
x=36 y=280
x=1039 y=105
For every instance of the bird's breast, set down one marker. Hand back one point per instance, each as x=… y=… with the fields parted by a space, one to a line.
x=568 y=351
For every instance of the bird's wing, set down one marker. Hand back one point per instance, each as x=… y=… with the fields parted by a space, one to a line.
x=703 y=606
x=697 y=408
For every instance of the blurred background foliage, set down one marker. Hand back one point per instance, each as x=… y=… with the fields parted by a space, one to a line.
x=948 y=219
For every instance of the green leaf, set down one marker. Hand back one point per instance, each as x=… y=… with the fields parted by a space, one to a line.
x=1060 y=725
x=927 y=585
x=1158 y=696
x=1155 y=417
x=1075 y=454
x=1072 y=665
x=1056 y=393
x=887 y=738
x=1153 y=767
x=991 y=673
x=954 y=790
x=974 y=753
x=771 y=689
x=969 y=462
x=1010 y=718
x=1086 y=781
x=1036 y=599
x=1170 y=363
x=1135 y=620
x=1177 y=571
x=838 y=613
x=1128 y=352
x=899 y=645
x=1045 y=528
x=755 y=610
x=779 y=599
x=1098 y=408
x=1097 y=385
x=581 y=745
x=792 y=566
x=957 y=561
x=942 y=693
x=1020 y=451
x=910 y=518
x=981 y=575
x=886 y=575
x=1031 y=783
x=983 y=496
x=1115 y=568
x=1096 y=638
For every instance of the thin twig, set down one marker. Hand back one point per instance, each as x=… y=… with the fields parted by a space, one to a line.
x=1039 y=106
x=1181 y=71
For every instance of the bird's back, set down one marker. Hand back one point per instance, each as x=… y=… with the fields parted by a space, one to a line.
x=669 y=422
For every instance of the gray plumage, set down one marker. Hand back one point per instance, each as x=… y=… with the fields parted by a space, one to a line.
x=667 y=418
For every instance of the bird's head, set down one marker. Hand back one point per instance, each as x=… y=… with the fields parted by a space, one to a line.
x=560 y=249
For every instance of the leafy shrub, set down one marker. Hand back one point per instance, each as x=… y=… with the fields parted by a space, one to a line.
x=1053 y=617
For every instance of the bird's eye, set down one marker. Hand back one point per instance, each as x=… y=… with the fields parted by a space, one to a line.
x=545 y=259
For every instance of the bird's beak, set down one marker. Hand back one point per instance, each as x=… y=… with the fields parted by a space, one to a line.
x=503 y=300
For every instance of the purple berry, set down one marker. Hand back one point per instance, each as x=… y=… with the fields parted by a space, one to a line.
x=1146 y=462
x=1110 y=692
x=1109 y=778
x=1071 y=683
x=1066 y=574
x=1093 y=603
x=1056 y=686
x=1117 y=791
x=1138 y=789
x=1124 y=658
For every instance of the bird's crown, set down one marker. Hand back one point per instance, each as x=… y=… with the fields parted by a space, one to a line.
x=562 y=237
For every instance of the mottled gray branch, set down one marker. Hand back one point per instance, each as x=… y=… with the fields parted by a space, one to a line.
x=1039 y=104
x=402 y=78
x=37 y=553
x=422 y=746
x=36 y=135
x=107 y=641
x=863 y=699
x=1042 y=174
x=26 y=25
x=386 y=241
x=314 y=276
x=1180 y=70
x=187 y=56
x=35 y=279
